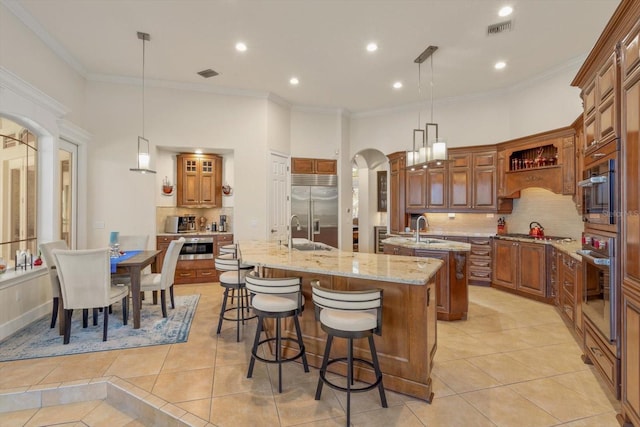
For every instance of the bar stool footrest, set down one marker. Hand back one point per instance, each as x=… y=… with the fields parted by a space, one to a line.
x=235 y=319
x=352 y=389
x=288 y=359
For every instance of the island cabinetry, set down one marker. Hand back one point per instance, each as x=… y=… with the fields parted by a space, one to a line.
x=520 y=267
x=397 y=191
x=408 y=342
x=452 y=294
x=199 y=180
x=314 y=166
x=480 y=261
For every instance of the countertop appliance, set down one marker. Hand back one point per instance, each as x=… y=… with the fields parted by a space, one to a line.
x=536 y=230
x=171 y=224
x=314 y=200
x=598 y=193
x=600 y=293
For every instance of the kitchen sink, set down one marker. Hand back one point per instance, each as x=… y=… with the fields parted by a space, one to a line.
x=432 y=240
x=310 y=246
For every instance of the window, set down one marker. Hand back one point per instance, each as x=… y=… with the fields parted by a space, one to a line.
x=18 y=189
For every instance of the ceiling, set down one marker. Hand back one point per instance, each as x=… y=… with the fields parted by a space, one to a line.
x=322 y=42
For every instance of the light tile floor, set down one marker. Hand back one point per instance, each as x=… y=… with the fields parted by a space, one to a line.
x=512 y=363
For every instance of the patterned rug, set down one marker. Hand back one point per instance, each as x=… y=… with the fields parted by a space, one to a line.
x=38 y=340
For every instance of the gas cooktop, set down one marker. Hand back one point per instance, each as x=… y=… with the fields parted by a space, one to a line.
x=523 y=236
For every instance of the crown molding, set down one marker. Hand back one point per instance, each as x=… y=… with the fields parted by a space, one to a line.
x=12 y=82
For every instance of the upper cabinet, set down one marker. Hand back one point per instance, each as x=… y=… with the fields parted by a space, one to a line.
x=314 y=166
x=396 y=210
x=599 y=99
x=199 y=180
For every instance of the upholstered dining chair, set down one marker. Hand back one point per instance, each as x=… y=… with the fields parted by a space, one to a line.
x=164 y=280
x=46 y=249
x=131 y=243
x=85 y=283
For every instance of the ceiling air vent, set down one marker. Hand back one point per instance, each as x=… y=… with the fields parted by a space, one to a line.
x=208 y=73
x=498 y=28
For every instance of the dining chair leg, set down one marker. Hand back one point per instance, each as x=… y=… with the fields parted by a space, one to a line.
x=105 y=325
x=67 y=326
x=95 y=317
x=125 y=313
x=154 y=294
x=54 y=313
x=163 y=302
x=85 y=317
x=173 y=302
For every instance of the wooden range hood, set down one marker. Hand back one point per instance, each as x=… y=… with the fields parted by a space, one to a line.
x=546 y=160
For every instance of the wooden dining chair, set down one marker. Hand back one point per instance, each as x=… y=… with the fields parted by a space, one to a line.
x=85 y=283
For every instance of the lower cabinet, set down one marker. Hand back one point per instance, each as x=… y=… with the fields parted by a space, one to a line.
x=570 y=290
x=521 y=267
x=480 y=261
x=452 y=295
x=602 y=356
x=630 y=397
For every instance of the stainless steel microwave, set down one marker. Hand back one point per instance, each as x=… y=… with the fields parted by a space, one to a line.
x=598 y=193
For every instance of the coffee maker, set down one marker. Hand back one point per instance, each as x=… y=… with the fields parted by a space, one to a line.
x=222 y=225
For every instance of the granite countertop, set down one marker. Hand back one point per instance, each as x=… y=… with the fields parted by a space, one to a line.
x=196 y=233
x=442 y=233
x=388 y=268
x=570 y=248
x=428 y=243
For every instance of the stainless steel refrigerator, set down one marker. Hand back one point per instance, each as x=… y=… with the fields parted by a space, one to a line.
x=314 y=200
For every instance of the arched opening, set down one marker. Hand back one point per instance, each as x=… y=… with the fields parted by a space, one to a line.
x=370 y=177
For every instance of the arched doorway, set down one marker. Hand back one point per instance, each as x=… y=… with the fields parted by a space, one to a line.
x=370 y=178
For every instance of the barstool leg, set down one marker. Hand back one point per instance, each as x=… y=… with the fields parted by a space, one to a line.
x=376 y=367
x=239 y=310
x=323 y=369
x=254 y=350
x=222 y=309
x=279 y=354
x=301 y=343
x=349 y=378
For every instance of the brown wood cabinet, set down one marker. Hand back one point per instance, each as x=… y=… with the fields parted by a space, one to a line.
x=630 y=225
x=520 y=267
x=480 y=261
x=600 y=112
x=314 y=166
x=452 y=293
x=194 y=271
x=570 y=290
x=397 y=216
x=437 y=191
x=473 y=179
x=416 y=189
x=199 y=181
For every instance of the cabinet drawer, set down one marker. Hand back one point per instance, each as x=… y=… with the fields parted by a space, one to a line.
x=164 y=239
x=224 y=238
x=568 y=285
x=184 y=274
x=479 y=273
x=481 y=251
x=207 y=274
x=477 y=241
x=601 y=357
x=479 y=262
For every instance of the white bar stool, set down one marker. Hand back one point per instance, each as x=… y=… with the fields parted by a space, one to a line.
x=232 y=279
x=276 y=298
x=350 y=315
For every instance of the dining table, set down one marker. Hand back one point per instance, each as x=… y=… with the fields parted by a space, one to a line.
x=133 y=263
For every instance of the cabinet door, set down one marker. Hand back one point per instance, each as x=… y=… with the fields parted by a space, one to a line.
x=396 y=192
x=484 y=184
x=568 y=165
x=630 y=194
x=505 y=262
x=630 y=357
x=442 y=279
x=416 y=192
x=188 y=185
x=532 y=277
x=300 y=165
x=502 y=176
x=437 y=187
x=207 y=182
x=326 y=167
x=460 y=188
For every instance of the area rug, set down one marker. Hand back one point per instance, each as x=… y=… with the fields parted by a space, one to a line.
x=38 y=340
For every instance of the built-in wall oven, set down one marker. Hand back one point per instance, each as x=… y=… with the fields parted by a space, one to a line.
x=600 y=293
x=197 y=248
x=598 y=193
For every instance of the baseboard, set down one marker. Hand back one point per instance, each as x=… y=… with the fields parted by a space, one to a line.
x=14 y=325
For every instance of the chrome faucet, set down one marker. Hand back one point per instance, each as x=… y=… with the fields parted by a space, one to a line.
x=298 y=228
x=426 y=224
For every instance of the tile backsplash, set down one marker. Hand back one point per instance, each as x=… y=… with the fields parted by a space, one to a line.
x=212 y=215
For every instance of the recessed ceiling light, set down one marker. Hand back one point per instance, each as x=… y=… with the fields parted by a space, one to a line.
x=241 y=47
x=505 y=11
x=294 y=81
x=372 y=47
x=397 y=85
x=500 y=65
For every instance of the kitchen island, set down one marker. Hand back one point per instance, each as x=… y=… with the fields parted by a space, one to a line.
x=452 y=293
x=408 y=342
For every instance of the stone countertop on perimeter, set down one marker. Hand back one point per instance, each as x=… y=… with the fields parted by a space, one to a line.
x=428 y=243
x=388 y=268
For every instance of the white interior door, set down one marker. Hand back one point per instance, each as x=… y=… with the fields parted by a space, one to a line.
x=278 y=191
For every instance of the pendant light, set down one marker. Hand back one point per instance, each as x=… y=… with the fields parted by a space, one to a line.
x=144 y=156
x=437 y=149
